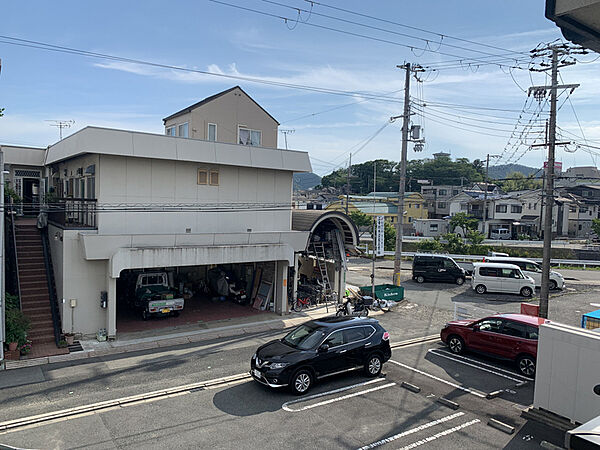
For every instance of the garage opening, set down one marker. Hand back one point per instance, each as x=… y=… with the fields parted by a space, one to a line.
x=193 y=296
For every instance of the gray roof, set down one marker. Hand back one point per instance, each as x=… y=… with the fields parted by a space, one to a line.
x=307 y=220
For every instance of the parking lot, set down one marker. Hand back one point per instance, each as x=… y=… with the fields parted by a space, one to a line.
x=349 y=411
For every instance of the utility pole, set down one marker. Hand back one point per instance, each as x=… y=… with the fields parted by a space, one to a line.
x=555 y=52
x=348 y=183
x=485 y=194
x=374 y=229
x=285 y=134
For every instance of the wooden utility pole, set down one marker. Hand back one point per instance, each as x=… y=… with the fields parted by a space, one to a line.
x=348 y=183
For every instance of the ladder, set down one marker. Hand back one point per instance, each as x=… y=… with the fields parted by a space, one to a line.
x=319 y=250
x=338 y=242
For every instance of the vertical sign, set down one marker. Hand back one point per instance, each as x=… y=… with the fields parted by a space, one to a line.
x=379 y=241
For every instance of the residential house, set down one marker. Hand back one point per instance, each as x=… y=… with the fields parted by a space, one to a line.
x=431 y=227
x=438 y=199
x=385 y=204
x=231 y=116
x=26 y=176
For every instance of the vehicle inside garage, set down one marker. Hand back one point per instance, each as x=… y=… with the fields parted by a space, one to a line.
x=192 y=295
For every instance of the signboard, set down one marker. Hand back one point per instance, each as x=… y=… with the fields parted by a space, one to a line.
x=557 y=166
x=379 y=239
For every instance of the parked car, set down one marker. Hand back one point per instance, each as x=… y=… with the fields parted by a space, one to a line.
x=505 y=336
x=500 y=234
x=152 y=296
x=319 y=349
x=498 y=277
x=437 y=268
x=531 y=269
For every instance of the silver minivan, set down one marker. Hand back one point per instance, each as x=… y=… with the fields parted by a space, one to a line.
x=502 y=234
x=531 y=269
x=498 y=277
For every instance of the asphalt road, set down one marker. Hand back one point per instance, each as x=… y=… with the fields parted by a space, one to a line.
x=350 y=411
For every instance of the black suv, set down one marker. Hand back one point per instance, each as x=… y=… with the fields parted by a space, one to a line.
x=437 y=268
x=321 y=348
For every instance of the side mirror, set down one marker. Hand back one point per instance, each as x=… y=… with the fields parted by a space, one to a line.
x=475 y=327
x=324 y=348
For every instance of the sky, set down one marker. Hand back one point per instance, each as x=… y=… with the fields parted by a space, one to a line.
x=466 y=108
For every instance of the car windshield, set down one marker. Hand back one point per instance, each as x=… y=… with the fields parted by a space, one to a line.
x=304 y=337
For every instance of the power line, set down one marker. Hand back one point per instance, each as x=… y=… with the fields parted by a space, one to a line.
x=68 y=50
x=350 y=33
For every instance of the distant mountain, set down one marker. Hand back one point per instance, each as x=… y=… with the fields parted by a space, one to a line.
x=502 y=171
x=306 y=181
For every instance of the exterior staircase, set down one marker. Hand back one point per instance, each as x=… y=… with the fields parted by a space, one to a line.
x=35 y=297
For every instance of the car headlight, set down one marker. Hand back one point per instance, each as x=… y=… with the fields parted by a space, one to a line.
x=277 y=365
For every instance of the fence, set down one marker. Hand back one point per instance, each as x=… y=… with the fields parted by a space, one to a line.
x=73 y=213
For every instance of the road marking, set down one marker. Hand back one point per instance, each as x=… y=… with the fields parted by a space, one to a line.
x=322 y=394
x=475 y=366
x=440 y=434
x=336 y=399
x=449 y=383
x=412 y=431
x=491 y=366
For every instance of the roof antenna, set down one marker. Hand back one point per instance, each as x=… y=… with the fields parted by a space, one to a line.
x=60 y=124
x=285 y=134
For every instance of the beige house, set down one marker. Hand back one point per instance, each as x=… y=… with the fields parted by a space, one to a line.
x=231 y=116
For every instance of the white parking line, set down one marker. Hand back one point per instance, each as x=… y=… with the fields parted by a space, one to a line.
x=286 y=407
x=440 y=434
x=412 y=431
x=518 y=380
x=491 y=366
x=449 y=383
x=335 y=391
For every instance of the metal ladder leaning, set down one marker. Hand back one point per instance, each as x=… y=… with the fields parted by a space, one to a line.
x=319 y=250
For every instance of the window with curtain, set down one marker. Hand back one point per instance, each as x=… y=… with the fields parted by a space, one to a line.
x=212 y=132
x=182 y=130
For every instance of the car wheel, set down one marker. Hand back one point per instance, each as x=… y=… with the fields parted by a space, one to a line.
x=373 y=365
x=480 y=289
x=460 y=281
x=526 y=365
x=145 y=315
x=552 y=285
x=420 y=279
x=456 y=345
x=301 y=382
x=526 y=291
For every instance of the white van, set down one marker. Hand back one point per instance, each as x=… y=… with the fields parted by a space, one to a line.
x=497 y=277
x=531 y=269
x=502 y=234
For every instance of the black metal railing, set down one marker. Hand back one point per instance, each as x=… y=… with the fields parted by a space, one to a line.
x=56 y=323
x=12 y=264
x=73 y=212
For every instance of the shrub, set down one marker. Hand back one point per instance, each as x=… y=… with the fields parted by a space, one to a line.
x=12 y=302
x=430 y=245
x=17 y=326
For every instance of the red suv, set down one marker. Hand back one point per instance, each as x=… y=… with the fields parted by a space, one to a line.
x=506 y=336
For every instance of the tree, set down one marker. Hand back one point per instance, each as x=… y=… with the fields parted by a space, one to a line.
x=389 y=236
x=516 y=181
x=1 y=112
x=596 y=226
x=463 y=221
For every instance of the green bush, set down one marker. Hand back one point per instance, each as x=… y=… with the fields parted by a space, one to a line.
x=12 y=302
x=17 y=326
x=430 y=245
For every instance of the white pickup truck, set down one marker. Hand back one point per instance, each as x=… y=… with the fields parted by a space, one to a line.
x=154 y=296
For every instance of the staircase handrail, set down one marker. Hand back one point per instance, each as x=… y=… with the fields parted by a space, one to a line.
x=56 y=323
x=10 y=217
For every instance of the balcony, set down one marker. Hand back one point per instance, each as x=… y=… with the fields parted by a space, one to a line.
x=73 y=213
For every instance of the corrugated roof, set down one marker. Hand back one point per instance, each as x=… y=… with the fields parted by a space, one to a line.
x=376 y=207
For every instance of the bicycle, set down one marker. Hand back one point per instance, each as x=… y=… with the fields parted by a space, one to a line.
x=301 y=303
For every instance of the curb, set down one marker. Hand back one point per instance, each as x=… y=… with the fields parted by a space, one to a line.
x=410 y=387
x=449 y=403
x=508 y=429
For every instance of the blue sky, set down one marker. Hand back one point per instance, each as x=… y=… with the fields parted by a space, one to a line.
x=37 y=85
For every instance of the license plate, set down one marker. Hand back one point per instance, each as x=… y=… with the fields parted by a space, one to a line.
x=243 y=297
x=165 y=310
x=256 y=373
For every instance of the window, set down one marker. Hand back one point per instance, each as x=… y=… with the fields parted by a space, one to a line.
x=488 y=271
x=531 y=332
x=249 y=137
x=212 y=132
x=433 y=227
x=304 y=337
x=441 y=205
x=442 y=192
x=82 y=188
x=202 y=176
x=475 y=207
x=449 y=264
x=182 y=130
x=464 y=207
x=579 y=227
x=572 y=209
x=583 y=209
x=586 y=193
x=214 y=177
x=354 y=334
x=515 y=329
x=417 y=206
x=91 y=187
x=511 y=273
x=531 y=267
x=170 y=131
x=501 y=208
x=490 y=324
x=334 y=339
x=516 y=208
x=410 y=219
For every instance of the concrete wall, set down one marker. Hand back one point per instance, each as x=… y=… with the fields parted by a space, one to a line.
x=152 y=181
x=568 y=364
x=77 y=278
x=228 y=112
